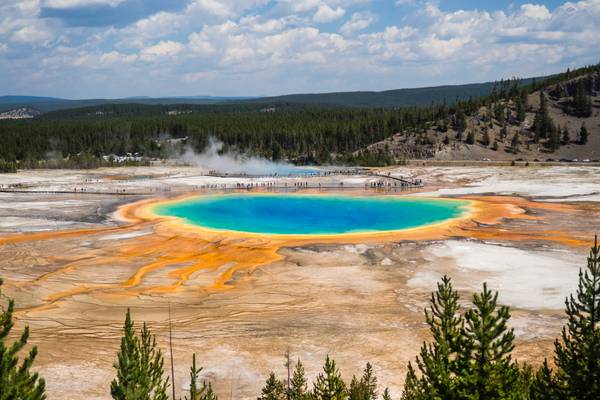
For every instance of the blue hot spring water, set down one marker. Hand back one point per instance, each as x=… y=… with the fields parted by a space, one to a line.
x=311 y=214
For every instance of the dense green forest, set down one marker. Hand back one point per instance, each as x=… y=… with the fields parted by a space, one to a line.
x=389 y=98
x=280 y=130
x=469 y=358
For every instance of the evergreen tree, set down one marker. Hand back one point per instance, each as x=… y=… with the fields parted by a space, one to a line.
x=366 y=387
x=461 y=122
x=139 y=366
x=273 y=389
x=413 y=386
x=437 y=361
x=577 y=355
x=470 y=137
x=543 y=386
x=542 y=122
x=386 y=395
x=566 y=136
x=504 y=132
x=520 y=109
x=486 y=138
x=495 y=146
x=204 y=392
x=329 y=384
x=17 y=382
x=514 y=143
x=195 y=393
x=553 y=142
x=485 y=367
x=583 y=134
x=298 y=384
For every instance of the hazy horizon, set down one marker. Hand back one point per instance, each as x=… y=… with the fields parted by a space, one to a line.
x=256 y=96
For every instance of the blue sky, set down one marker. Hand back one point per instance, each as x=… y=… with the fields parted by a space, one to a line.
x=121 y=48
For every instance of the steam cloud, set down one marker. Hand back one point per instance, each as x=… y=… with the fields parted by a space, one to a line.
x=233 y=162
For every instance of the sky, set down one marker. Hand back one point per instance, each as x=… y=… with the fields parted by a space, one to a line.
x=123 y=48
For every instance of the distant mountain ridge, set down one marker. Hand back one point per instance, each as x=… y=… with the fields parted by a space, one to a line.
x=47 y=104
x=389 y=98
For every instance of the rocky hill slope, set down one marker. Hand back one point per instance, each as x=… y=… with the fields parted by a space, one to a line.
x=514 y=128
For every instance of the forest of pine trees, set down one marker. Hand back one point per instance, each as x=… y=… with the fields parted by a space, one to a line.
x=469 y=358
x=300 y=133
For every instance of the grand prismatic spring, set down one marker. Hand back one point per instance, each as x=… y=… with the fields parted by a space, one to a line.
x=311 y=214
x=250 y=274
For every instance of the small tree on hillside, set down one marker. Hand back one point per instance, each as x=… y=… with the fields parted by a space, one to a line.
x=566 y=136
x=583 y=134
x=486 y=138
x=514 y=143
x=470 y=137
x=553 y=142
x=17 y=382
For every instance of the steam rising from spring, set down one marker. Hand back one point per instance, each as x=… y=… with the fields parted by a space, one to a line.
x=233 y=162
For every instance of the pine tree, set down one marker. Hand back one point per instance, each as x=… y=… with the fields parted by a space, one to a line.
x=329 y=384
x=553 y=142
x=486 y=138
x=470 y=137
x=357 y=391
x=204 y=392
x=436 y=362
x=543 y=386
x=515 y=142
x=461 y=122
x=17 y=382
x=495 y=146
x=273 y=389
x=504 y=132
x=577 y=356
x=520 y=109
x=139 y=366
x=298 y=385
x=413 y=386
x=386 y=395
x=542 y=122
x=583 y=134
x=485 y=367
x=566 y=136
x=365 y=388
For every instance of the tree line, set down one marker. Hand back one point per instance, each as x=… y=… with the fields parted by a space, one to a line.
x=300 y=133
x=469 y=357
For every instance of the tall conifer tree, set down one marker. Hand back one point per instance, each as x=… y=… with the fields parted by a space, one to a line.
x=17 y=382
x=486 y=369
x=139 y=366
x=298 y=384
x=329 y=384
x=273 y=389
x=577 y=355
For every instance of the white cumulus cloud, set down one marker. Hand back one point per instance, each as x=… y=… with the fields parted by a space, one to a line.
x=327 y=14
x=66 y=4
